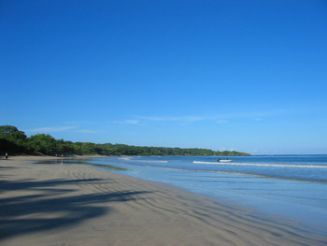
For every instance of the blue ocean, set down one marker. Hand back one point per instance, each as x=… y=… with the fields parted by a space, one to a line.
x=290 y=187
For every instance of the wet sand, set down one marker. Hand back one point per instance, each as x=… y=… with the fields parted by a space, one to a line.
x=75 y=204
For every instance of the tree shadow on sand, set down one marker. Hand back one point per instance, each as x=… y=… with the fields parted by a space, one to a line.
x=40 y=212
x=29 y=184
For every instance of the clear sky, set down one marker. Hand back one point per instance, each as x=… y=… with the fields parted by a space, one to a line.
x=244 y=75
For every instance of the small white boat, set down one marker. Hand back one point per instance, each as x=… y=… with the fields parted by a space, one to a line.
x=224 y=160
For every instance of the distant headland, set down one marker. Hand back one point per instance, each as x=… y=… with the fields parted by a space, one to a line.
x=15 y=142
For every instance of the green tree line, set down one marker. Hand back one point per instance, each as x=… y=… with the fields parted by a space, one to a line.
x=14 y=141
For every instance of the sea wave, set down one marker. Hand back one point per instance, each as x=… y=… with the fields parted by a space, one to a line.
x=151 y=161
x=261 y=165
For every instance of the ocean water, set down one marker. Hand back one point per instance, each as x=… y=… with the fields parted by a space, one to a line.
x=291 y=187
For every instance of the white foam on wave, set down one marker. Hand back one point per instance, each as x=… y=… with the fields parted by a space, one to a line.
x=151 y=161
x=260 y=165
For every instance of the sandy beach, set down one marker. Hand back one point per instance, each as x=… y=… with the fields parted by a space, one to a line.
x=43 y=204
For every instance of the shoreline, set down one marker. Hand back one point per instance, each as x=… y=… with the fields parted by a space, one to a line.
x=112 y=209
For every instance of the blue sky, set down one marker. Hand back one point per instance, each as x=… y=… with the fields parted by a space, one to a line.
x=244 y=75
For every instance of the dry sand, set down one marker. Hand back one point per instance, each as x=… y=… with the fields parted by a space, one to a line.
x=80 y=205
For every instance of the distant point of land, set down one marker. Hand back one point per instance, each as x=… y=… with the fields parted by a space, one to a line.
x=13 y=141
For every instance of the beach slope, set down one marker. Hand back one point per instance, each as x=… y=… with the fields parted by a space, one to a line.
x=58 y=204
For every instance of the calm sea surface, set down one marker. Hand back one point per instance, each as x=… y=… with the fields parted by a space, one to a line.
x=293 y=187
